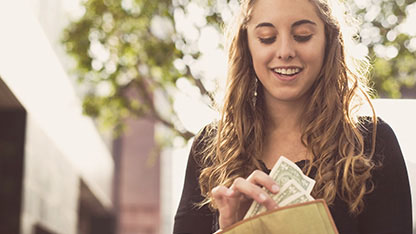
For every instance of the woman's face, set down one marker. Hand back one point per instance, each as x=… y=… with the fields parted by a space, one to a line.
x=287 y=44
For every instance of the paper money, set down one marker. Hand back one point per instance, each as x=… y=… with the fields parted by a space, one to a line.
x=298 y=198
x=290 y=190
x=285 y=170
x=295 y=187
x=287 y=191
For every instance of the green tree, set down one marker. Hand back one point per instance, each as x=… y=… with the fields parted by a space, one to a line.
x=387 y=30
x=128 y=50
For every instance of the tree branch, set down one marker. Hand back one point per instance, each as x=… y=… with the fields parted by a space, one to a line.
x=201 y=87
x=147 y=98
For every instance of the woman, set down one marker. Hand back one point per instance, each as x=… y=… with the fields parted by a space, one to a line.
x=291 y=91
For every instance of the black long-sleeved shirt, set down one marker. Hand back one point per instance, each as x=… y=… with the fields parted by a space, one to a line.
x=387 y=210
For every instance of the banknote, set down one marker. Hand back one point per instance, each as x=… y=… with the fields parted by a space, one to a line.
x=289 y=190
x=285 y=170
x=255 y=208
x=297 y=198
x=294 y=186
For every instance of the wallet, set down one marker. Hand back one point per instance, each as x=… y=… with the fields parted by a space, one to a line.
x=311 y=217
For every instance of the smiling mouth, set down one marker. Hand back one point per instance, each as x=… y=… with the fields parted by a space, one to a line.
x=287 y=71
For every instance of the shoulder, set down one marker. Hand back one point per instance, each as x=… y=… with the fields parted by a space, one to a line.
x=388 y=156
x=205 y=136
x=203 y=140
x=385 y=136
x=383 y=129
x=391 y=191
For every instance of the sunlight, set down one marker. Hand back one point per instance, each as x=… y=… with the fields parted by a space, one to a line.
x=408 y=26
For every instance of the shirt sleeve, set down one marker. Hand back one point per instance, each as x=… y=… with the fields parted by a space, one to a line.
x=189 y=218
x=388 y=208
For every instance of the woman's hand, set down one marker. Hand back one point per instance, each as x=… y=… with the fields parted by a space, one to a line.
x=233 y=202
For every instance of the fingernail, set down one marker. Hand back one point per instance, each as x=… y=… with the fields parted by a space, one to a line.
x=229 y=192
x=262 y=197
x=275 y=188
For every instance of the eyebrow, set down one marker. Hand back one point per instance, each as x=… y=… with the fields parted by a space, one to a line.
x=300 y=22
x=264 y=25
x=297 y=23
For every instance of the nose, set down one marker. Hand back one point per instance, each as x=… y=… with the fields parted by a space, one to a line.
x=285 y=48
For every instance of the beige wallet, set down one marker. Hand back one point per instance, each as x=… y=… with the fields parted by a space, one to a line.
x=311 y=217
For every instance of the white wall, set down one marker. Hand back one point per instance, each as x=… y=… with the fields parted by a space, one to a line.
x=31 y=69
x=50 y=185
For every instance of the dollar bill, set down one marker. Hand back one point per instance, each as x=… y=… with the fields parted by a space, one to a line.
x=285 y=170
x=255 y=208
x=289 y=190
x=298 y=198
x=295 y=187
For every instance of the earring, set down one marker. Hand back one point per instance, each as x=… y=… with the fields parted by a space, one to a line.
x=254 y=99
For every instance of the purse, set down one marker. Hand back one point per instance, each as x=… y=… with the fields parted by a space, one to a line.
x=311 y=217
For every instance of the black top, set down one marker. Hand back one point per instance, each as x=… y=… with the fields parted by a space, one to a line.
x=387 y=209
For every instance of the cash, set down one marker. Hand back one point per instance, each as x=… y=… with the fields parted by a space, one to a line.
x=295 y=187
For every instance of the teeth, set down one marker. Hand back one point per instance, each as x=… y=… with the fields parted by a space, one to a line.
x=290 y=71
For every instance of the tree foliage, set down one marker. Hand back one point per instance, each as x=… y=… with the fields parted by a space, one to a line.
x=128 y=50
x=387 y=30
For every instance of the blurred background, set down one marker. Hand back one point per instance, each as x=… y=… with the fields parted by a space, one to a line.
x=100 y=100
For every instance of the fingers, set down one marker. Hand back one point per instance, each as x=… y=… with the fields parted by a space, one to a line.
x=220 y=194
x=247 y=188
x=262 y=179
x=232 y=203
x=250 y=188
x=227 y=204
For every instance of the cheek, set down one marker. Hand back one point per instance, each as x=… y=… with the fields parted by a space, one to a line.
x=314 y=55
x=261 y=57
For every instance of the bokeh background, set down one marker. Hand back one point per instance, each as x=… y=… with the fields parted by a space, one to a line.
x=100 y=100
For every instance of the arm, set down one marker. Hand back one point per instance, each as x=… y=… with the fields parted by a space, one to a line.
x=388 y=208
x=232 y=203
x=190 y=219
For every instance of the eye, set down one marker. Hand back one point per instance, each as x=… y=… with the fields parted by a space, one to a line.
x=268 y=40
x=302 y=38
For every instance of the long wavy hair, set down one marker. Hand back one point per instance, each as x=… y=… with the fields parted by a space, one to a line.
x=332 y=131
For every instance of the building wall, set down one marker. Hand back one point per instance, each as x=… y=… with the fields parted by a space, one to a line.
x=32 y=71
x=137 y=187
x=12 y=137
x=67 y=185
x=66 y=168
x=51 y=185
x=137 y=192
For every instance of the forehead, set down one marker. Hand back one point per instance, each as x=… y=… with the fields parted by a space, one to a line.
x=283 y=11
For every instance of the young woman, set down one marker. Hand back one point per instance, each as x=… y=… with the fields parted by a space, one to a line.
x=291 y=91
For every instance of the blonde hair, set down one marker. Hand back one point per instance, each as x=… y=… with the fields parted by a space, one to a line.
x=332 y=131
